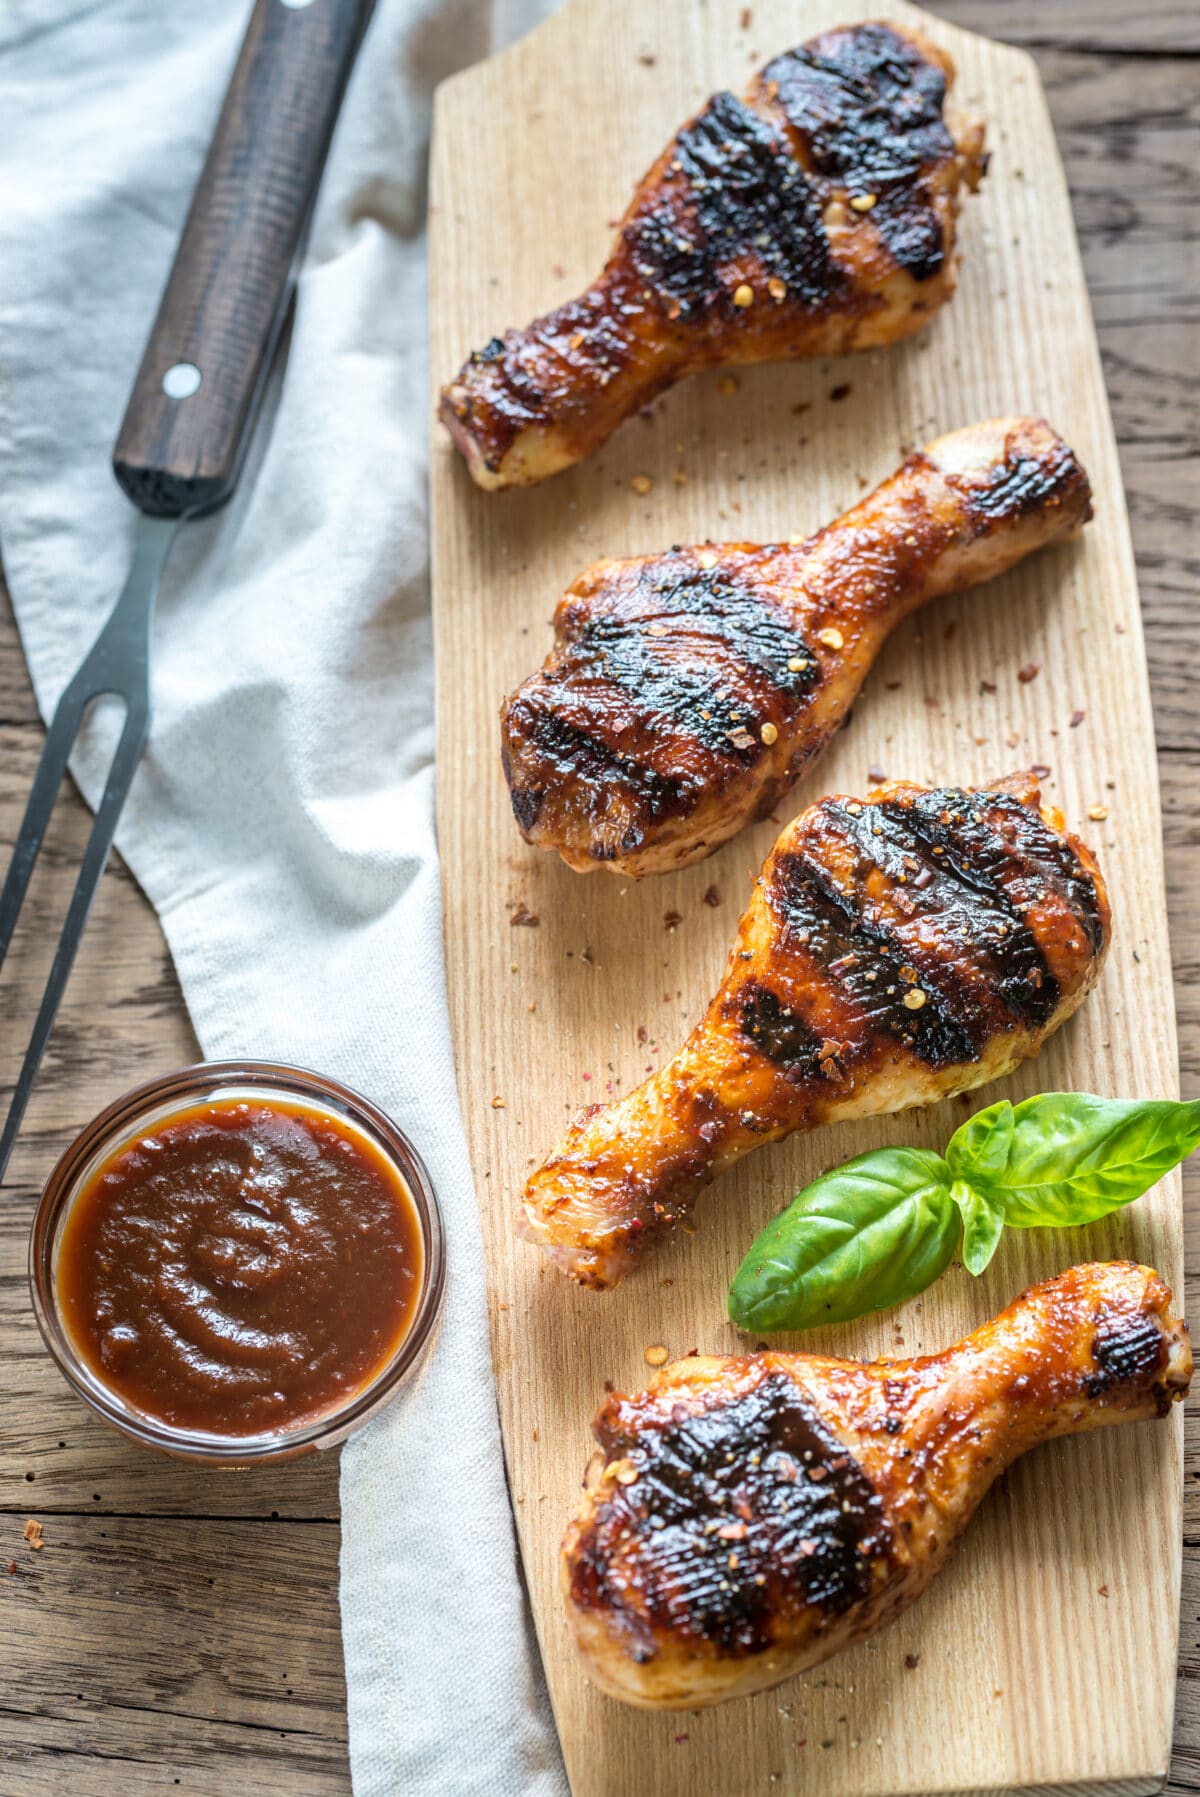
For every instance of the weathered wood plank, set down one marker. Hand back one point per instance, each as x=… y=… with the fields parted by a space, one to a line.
x=144 y=1655
x=1159 y=27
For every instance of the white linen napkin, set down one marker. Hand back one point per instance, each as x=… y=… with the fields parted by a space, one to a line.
x=282 y=822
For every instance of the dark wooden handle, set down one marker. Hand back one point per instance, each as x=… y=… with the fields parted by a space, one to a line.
x=193 y=403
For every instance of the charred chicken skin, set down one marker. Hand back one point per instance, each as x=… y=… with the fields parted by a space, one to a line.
x=687 y=692
x=747 y=1518
x=896 y=950
x=814 y=217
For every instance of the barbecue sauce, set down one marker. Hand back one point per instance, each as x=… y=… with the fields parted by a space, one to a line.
x=241 y=1267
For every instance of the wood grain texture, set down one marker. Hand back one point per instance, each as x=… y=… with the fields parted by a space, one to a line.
x=1066 y=1589
x=1161 y=26
x=230 y=285
x=1125 y=123
x=231 y=1681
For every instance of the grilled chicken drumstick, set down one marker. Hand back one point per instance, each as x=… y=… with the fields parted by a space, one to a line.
x=896 y=950
x=686 y=692
x=749 y=1517
x=814 y=217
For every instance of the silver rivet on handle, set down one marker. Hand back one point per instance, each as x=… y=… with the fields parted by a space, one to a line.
x=181 y=380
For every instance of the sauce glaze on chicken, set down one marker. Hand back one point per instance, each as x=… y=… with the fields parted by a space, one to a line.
x=688 y=691
x=814 y=217
x=896 y=950
x=748 y=1517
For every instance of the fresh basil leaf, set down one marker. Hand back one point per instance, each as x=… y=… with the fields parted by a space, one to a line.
x=979 y=1150
x=983 y=1224
x=864 y=1236
x=1072 y=1158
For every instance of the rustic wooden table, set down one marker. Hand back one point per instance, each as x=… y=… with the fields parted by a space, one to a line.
x=179 y=1630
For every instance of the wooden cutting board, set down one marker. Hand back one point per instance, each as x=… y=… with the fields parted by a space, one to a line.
x=1044 y=1656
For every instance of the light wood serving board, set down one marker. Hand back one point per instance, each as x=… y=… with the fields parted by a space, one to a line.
x=1044 y=1656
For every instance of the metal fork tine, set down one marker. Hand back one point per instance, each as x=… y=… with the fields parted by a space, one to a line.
x=118 y=664
x=51 y=768
x=133 y=737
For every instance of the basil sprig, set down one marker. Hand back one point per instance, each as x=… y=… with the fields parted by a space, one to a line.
x=884 y=1226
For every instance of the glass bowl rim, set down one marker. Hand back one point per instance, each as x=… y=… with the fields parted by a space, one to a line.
x=191 y=1084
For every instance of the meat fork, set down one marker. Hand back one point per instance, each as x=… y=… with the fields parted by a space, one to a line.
x=192 y=408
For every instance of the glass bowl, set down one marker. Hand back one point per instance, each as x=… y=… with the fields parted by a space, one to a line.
x=153 y=1104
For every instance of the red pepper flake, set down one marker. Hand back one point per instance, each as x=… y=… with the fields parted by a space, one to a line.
x=1028 y=671
x=672 y=919
x=987 y=686
x=643 y=1034
x=876 y=775
x=746 y=18
x=1077 y=718
x=1040 y=770
x=585 y=1076
x=712 y=897
x=839 y=393
x=522 y=915
x=932 y=701
x=679 y=1740
x=912 y=1661
x=1102 y=1590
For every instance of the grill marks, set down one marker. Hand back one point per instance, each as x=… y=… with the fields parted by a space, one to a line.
x=776 y=1030
x=857 y=110
x=929 y=893
x=993 y=840
x=866 y=110
x=695 y=641
x=867 y=105
x=1027 y=484
x=566 y=752
x=865 y=960
x=1128 y=1347
x=966 y=876
x=658 y=696
x=731 y=188
x=741 y=1517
